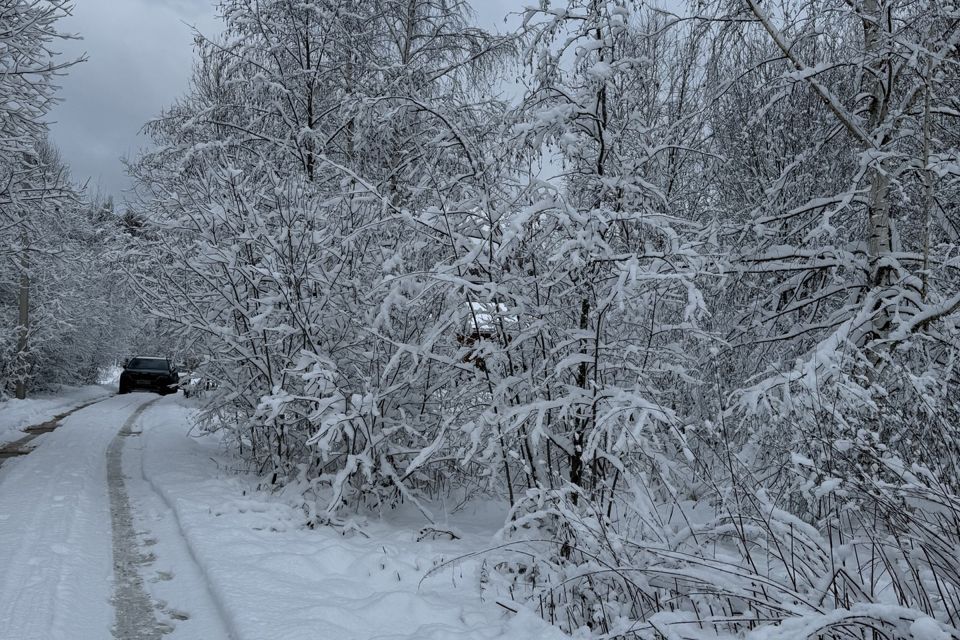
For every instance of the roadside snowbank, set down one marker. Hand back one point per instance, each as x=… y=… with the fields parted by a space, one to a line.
x=275 y=580
x=15 y=415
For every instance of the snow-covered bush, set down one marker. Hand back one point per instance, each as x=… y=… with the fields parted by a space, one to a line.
x=689 y=303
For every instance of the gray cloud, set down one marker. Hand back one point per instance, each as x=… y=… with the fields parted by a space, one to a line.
x=140 y=58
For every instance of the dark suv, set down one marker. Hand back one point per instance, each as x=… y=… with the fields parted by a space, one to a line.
x=155 y=374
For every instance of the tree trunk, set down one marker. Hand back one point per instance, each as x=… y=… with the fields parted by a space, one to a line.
x=879 y=224
x=581 y=422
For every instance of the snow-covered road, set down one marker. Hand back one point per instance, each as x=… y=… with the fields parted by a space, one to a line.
x=72 y=551
x=55 y=530
x=119 y=526
x=15 y=415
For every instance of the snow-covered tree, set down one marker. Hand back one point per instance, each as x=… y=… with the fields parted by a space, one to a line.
x=689 y=303
x=39 y=212
x=308 y=233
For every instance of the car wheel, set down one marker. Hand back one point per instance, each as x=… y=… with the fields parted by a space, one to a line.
x=124 y=389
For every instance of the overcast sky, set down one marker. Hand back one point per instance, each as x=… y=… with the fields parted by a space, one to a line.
x=140 y=55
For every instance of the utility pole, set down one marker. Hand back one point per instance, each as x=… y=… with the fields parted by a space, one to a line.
x=24 y=319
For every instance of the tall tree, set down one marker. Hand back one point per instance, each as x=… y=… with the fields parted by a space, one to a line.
x=30 y=172
x=315 y=203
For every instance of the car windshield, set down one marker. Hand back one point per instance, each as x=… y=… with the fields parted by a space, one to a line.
x=151 y=364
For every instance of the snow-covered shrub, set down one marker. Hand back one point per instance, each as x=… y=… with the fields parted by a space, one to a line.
x=689 y=303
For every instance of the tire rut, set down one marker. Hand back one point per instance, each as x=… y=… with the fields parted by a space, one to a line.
x=135 y=611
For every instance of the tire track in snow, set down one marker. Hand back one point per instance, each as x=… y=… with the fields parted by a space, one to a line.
x=134 y=610
x=177 y=570
x=55 y=538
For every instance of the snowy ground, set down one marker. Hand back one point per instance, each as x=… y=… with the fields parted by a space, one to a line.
x=273 y=579
x=200 y=554
x=15 y=415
